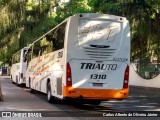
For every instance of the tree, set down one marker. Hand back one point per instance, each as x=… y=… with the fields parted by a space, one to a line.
x=144 y=17
x=71 y=8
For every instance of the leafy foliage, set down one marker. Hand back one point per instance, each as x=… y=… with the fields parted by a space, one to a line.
x=71 y=8
x=23 y=21
x=144 y=17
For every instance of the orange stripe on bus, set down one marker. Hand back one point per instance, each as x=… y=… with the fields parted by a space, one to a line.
x=46 y=56
x=101 y=94
x=39 y=72
x=43 y=69
x=39 y=60
x=33 y=78
x=35 y=65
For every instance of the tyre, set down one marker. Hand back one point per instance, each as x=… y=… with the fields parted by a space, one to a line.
x=16 y=80
x=20 y=85
x=31 y=90
x=12 y=79
x=50 y=98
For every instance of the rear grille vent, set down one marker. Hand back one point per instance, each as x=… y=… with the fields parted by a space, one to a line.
x=100 y=53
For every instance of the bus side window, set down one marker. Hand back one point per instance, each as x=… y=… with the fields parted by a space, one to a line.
x=35 y=52
x=29 y=56
x=16 y=58
x=10 y=62
x=56 y=37
x=46 y=46
x=37 y=49
x=25 y=56
x=40 y=53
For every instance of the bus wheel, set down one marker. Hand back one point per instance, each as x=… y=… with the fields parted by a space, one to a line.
x=31 y=90
x=49 y=95
x=20 y=85
x=12 y=79
x=13 y=82
x=16 y=80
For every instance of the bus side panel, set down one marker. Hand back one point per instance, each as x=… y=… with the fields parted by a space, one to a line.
x=57 y=73
x=33 y=72
x=49 y=67
x=15 y=69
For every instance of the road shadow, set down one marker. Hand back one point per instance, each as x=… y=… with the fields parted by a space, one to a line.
x=140 y=99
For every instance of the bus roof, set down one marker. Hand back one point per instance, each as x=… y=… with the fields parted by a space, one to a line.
x=86 y=15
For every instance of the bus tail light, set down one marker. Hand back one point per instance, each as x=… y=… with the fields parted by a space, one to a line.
x=68 y=76
x=126 y=77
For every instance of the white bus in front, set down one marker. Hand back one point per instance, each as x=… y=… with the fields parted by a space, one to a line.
x=86 y=58
x=18 y=67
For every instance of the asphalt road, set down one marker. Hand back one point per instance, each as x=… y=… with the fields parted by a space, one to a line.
x=20 y=99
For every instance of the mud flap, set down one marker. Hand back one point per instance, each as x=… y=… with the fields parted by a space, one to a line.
x=1 y=96
x=59 y=86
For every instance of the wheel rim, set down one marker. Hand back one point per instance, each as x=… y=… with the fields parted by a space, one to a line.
x=49 y=95
x=29 y=83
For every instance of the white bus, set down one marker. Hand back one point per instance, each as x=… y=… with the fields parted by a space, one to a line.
x=86 y=58
x=18 y=67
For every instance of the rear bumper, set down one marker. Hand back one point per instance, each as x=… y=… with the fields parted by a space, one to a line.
x=95 y=94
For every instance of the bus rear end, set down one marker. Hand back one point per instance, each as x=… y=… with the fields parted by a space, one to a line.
x=97 y=57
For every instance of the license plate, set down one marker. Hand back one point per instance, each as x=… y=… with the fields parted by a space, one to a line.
x=97 y=84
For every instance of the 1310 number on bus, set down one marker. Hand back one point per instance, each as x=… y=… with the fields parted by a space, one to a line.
x=96 y=76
